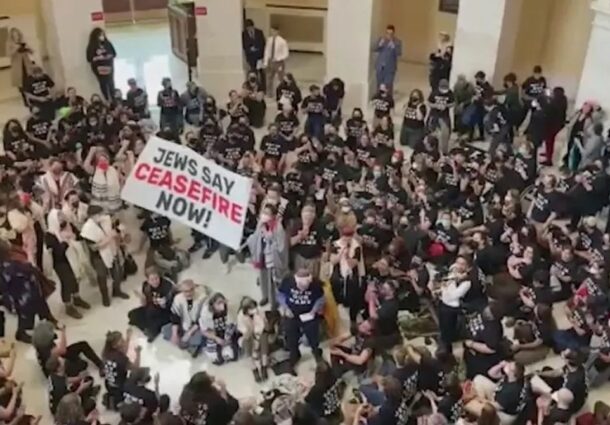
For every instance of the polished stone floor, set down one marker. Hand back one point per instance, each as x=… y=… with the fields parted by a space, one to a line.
x=144 y=53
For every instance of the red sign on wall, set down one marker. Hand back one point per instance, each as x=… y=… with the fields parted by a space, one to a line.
x=201 y=11
x=97 y=16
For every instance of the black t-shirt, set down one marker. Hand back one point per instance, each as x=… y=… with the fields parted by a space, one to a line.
x=161 y=296
x=58 y=387
x=287 y=124
x=534 y=87
x=382 y=105
x=273 y=146
x=116 y=365
x=20 y=146
x=576 y=381
x=437 y=98
x=310 y=247
x=557 y=415
x=411 y=120
x=544 y=204
x=209 y=136
x=169 y=101
x=38 y=86
x=38 y=127
x=300 y=302
x=157 y=230
x=137 y=100
x=511 y=396
x=387 y=318
x=325 y=400
x=448 y=236
x=143 y=396
x=314 y=105
x=215 y=411
x=354 y=129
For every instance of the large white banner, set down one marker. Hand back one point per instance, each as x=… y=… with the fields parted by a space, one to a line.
x=180 y=184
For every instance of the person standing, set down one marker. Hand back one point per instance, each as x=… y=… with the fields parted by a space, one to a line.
x=276 y=53
x=170 y=103
x=269 y=250
x=101 y=54
x=389 y=49
x=253 y=42
x=39 y=91
x=21 y=60
x=301 y=300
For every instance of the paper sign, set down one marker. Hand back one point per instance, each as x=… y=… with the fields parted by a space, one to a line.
x=201 y=11
x=176 y=182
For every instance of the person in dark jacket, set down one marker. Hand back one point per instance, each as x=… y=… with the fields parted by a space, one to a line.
x=101 y=54
x=253 y=42
x=556 y=112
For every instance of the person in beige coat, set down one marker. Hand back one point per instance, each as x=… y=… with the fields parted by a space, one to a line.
x=21 y=60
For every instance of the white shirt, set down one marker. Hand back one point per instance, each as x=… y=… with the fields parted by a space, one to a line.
x=281 y=50
x=452 y=293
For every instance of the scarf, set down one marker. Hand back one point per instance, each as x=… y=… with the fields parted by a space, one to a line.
x=345 y=270
x=106 y=189
x=76 y=217
x=77 y=257
x=55 y=193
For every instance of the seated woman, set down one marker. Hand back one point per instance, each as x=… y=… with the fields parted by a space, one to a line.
x=534 y=336
x=326 y=394
x=156 y=300
x=183 y=331
x=135 y=391
x=60 y=384
x=390 y=412
x=507 y=391
x=252 y=327
x=116 y=366
x=206 y=400
x=219 y=333
x=484 y=347
x=354 y=357
x=43 y=340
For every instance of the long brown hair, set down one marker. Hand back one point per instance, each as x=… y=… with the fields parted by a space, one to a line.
x=489 y=416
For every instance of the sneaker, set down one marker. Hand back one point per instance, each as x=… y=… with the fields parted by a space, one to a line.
x=72 y=312
x=80 y=303
x=120 y=294
x=264 y=302
x=218 y=361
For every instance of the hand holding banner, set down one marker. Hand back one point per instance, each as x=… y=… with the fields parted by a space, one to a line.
x=178 y=183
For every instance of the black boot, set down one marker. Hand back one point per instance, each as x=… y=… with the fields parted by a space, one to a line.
x=23 y=336
x=257 y=376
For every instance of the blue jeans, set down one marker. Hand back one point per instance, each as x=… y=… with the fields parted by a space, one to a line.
x=386 y=76
x=294 y=327
x=314 y=126
x=373 y=395
x=194 y=343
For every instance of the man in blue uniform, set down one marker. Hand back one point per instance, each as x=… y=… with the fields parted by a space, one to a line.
x=388 y=49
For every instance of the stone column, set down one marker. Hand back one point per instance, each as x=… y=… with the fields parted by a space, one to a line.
x=68 y=25
x=595 y=77
x=485 y=38
x=219 y=28
x=349 y=48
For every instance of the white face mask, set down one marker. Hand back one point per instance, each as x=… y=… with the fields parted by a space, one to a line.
x=346 y=209
x=376 y=173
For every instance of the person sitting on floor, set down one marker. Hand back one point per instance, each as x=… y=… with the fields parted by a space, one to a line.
x=156 y=299
x=219 y=332
x=183 y=331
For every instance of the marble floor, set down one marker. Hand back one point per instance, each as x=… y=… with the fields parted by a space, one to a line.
x=144 y=53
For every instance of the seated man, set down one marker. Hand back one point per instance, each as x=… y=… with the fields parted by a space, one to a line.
x=60 y=384
x=354 y=357
x=383 y=310
x=183 y=329
x=508 y=394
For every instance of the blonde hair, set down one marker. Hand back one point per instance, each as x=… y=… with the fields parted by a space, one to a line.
x=69 y=409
